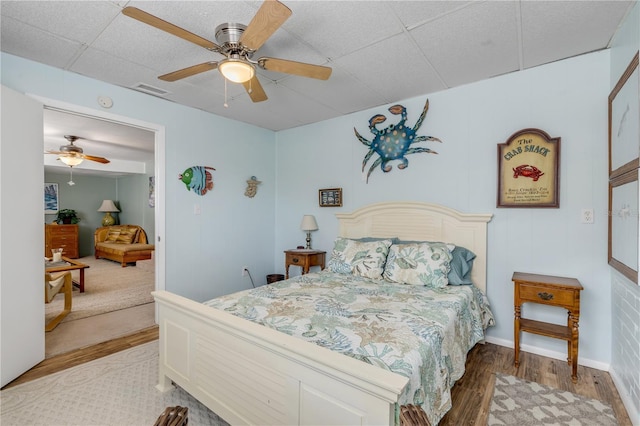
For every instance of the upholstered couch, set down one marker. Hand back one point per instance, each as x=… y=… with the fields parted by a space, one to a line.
x=122 y=243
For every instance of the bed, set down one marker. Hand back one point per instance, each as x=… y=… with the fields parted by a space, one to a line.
x=251 y=374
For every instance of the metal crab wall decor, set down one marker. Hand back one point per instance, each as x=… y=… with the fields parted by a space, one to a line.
x=394 y=142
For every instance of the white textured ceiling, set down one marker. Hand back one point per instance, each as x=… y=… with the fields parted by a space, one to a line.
x=380 y=51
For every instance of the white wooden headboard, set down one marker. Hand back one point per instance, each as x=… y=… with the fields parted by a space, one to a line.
x=417 y=221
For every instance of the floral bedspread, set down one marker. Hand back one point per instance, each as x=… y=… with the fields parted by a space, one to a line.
x=419 y=332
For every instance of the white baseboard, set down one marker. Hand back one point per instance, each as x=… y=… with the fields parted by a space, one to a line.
x=598 y=365
x=628 y=402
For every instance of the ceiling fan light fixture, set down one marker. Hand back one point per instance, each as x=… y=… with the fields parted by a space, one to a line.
x=236 y=70
x=71 y=160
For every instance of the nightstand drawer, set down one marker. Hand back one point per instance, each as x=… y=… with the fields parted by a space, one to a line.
x=542 y=294
x=312 y=259
x=295 y=259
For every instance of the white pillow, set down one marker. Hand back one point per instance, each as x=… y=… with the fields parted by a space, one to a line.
x=419 y=264
x=364 y=259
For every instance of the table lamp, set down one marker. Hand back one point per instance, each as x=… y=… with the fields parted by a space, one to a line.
x=108 y=207
x=309 y=224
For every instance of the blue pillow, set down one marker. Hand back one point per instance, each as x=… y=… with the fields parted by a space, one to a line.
x=461 y=264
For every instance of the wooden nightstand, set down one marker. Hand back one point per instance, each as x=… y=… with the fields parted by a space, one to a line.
x=554 y=291
x=304 y=259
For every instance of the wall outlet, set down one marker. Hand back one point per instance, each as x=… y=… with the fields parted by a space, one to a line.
x=245 y=271
x=587 y=216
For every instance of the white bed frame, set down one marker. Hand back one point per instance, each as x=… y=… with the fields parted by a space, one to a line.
x=250 y=374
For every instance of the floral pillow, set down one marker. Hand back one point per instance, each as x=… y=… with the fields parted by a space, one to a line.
x=364 y=259
x=425 y=264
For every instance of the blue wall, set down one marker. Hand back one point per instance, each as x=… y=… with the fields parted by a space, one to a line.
x=205 y=253
x=131 y=193
x=567 y=99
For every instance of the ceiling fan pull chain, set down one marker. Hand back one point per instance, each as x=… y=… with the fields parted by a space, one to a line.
x=225 y=94
x=71 y=182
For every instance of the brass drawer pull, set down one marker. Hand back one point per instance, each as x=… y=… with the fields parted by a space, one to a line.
x=295 y=260
x=545 y=296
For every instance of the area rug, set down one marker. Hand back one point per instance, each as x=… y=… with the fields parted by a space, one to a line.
x=108 y=287
x=118 y=389
x=519 y=402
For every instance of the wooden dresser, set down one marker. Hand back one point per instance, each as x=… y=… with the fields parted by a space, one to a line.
x=61 y=236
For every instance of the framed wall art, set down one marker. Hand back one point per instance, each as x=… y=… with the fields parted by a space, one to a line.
x=623 y=224
x=330 y=197
x=624 y=122
x=51 y=200
x=528 y=170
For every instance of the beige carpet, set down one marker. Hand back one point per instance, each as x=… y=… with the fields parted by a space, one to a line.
x=519 y=402
x=108 y=287
x=118 y=389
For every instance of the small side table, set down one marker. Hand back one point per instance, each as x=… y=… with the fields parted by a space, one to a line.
x=304 y=259
x=554 y=291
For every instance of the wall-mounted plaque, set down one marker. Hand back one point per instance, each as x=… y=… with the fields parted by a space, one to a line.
x=528 y=170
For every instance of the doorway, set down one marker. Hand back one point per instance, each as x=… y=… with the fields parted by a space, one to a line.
x=106 y=136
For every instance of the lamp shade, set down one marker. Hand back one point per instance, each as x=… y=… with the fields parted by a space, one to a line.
x=309 y=223
x=108 y=206
x=236 y=70
x=70 y=160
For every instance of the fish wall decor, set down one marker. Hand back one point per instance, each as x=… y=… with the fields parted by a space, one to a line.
x=197 y=179
x=394 y=142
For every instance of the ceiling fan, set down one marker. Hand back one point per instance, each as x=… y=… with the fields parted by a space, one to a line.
x=72 y=155
x=238 y=43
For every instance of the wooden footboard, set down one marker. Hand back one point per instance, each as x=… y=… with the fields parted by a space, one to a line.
x=250 y=374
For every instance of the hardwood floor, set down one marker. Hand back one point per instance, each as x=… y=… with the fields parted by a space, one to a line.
x=471 y=395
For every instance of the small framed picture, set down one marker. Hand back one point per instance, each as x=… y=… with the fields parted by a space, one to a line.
x=51 y=201
x=330 y=197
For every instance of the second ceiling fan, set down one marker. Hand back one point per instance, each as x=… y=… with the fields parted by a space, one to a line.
x=238 y=43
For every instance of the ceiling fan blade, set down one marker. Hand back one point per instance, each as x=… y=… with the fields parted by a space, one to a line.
x=55 y=152
x=189 y=71
x=267 y=20
x=147 y=18
x=296 y=68
x=94 y=158
x=255 y=90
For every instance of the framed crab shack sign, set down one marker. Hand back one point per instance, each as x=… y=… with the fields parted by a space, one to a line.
x=528 y=172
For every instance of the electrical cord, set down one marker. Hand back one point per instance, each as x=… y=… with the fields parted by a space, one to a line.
x=250 y=277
